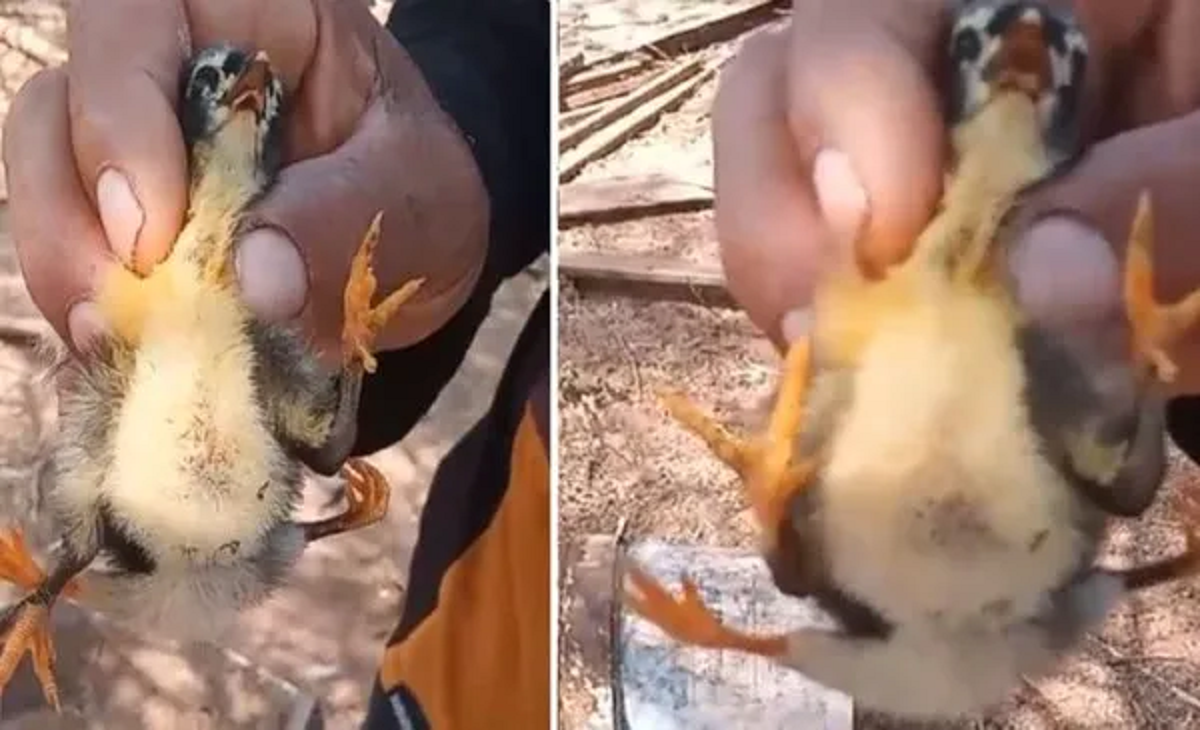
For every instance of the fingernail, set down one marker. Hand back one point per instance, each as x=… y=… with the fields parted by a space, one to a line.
x=795 y=325
x=85 y=325
x=120 y=213
x=271 y=273
x=840 y=194
x=1066 y=272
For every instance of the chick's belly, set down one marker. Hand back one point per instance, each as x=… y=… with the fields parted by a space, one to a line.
x=195 y=477
x=936 y=501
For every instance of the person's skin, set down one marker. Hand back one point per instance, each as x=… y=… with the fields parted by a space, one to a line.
x=97 y=171
x=840 y=114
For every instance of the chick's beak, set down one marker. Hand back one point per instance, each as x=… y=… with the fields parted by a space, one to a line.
x=249 y=92
x=1023 y=62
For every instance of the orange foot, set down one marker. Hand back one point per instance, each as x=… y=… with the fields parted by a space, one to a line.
x=28 y=623
x=367 y=494
x=1155 y=326
x=687 y=620
x=764 y=463
x=363 y=321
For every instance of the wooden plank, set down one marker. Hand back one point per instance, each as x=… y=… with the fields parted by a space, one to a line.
x=570 y=66
x=641 y=119
x=629 y=196
x=619 y=108
x=574 y=116
x=719 y=27
x=603 y=93
x=665 y=686
x=646 y=277
x=600 y=76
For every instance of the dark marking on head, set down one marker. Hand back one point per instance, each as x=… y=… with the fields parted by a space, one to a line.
x=1038 y=540
x=205 y=108
x=1031 y=46
x=262 y=491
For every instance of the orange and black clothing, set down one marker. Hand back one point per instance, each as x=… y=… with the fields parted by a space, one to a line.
x=472 y=648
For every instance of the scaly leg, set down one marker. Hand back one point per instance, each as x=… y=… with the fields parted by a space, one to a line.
x=363 y=321
x=28 y=622
x=367 y=493
x=1185 y=565
x=362 y=324
x=687 y=620
x=764 y=463
x=1155 y=326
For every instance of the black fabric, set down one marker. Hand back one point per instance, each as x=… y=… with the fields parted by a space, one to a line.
x=1183 y=424
x=471 y=480
x=488 y=64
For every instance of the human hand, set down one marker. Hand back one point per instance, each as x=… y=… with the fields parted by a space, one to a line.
x=811 y=124
x=97 y=167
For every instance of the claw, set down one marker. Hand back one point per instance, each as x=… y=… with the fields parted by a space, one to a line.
x=765 y=463
x=30 y=632
x=362 y=321
x=688 y=620
x=1155 y=326
x=367 y=496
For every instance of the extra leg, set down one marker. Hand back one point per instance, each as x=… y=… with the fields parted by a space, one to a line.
x=687 y=620
x=1155 y=326
x=363 y=322
x=27 y=624
x=367 y=493
x=1185 y=565
x=765 y=463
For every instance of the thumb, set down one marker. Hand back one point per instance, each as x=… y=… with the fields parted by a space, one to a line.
x=295 y=261
x=870 y=98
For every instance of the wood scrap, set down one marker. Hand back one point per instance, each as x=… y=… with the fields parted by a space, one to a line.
x=570 y=66
x=637 y=121
x=574 y=116
x=646 y=277
x=600 y=76
x=626 y=197
x=21 y=37
x=719 y=27
x=623 y=106
x=604 y=93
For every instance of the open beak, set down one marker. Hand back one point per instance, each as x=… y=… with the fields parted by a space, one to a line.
x=249 y=92
x=1023 y=62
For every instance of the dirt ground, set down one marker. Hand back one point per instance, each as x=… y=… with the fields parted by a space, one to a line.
x=621 y=458
x=320 y=639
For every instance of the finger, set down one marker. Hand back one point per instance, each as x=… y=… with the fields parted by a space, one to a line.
x=434 y=226
x=59 y=240
x=1103 y=190
x=854 y=92
x=768 y=226
x=122 y=99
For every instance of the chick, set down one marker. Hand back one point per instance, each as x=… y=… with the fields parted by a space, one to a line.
x=938 y=470
x=178 y=466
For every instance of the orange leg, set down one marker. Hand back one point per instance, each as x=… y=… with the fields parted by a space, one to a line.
x=28 y=624
x=1155 y=326
x=764 y=463
x=367 y=494
x=687 y=620
x=363 y=321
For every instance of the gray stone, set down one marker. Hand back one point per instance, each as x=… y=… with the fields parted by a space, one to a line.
x=670 y=687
